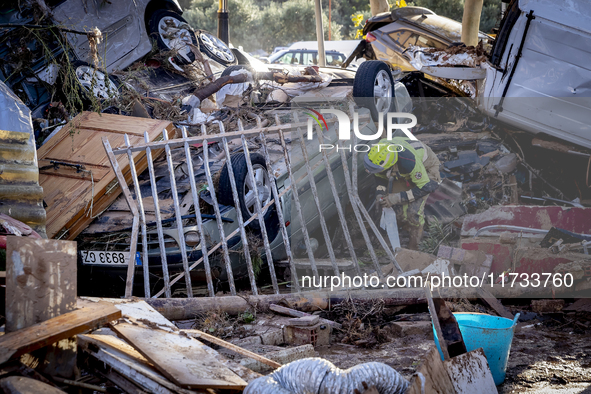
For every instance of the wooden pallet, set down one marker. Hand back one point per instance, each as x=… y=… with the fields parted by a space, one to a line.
x=68 y=192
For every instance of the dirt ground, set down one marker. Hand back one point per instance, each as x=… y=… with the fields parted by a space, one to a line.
x=542 y=360
x=550 y=353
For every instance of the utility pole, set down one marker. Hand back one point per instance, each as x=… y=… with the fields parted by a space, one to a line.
x=319 y=34
x=471 y=22
x=223 y=25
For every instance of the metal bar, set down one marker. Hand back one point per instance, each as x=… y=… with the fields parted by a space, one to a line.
x=241 y=226
x=163 y=260
x=338 y=205
x=296 y=200
x=218 y=214
x=317 y=202
x=360 y=222
x=219 y=244
x=284 y=233
x=134 y=211
x=179 y=220
x=140 y=204
x=258 y=211
x=211 y=138
x=195 y=195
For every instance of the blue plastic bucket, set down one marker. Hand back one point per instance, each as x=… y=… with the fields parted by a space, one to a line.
x=492 y=333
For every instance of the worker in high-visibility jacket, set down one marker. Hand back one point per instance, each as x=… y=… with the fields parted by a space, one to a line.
x=413 y=171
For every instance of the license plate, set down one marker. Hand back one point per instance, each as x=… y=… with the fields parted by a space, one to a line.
x=92 y=257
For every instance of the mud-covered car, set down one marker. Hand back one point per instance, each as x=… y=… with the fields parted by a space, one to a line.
x=389 y=34
x=41 y=49
x=102 y=276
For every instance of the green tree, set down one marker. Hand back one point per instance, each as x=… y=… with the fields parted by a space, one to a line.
x=454 y=9
x=262 y=24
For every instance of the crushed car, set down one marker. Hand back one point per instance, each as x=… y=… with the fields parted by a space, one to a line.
x=388 y=36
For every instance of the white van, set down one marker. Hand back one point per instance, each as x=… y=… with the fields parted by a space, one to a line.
x=539 y=76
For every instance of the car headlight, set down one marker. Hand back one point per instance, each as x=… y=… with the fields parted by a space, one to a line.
x=192 y=238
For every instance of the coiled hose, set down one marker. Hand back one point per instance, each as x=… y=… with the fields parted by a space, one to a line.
x=320 y=376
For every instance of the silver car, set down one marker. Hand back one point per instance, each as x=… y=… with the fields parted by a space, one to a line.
x=128 y=25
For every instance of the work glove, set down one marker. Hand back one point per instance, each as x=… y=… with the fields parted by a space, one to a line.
x=382 y=201
x=389 y=201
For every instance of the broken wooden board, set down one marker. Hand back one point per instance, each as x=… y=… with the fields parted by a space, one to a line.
x=181 y=359
x=491 y=301
x=75 y=194
x=125 y=360
x=41 y=286
x=142 y=313
x=467 y=373
x=470 y=373
x=435 y=376
x=39 y=335
x=220 y=342
x=41 y=280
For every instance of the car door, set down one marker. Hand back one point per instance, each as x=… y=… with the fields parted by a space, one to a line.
x=119 y=22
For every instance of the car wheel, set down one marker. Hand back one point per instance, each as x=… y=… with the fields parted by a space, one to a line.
x=216 y=48
x=245 y=189
x=95 y=82
x=373 y=87
x=172 y=32
x=91 y=84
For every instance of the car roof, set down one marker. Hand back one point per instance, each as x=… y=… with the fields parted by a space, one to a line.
x=426 y=19
x=277 y=55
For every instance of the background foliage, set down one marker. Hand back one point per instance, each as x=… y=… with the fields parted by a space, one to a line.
x=265 y=24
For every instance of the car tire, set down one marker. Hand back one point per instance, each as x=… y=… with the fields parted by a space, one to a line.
x=158 y=23
x=231 y=69
x=374 y=80
x=240 y=170
x=215 y=48
x=92 y=84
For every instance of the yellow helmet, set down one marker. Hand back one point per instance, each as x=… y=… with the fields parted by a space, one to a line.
x=381 y=157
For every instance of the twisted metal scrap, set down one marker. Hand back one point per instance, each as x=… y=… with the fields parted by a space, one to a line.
x=319 y=376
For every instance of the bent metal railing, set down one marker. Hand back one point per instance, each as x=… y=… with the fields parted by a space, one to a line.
x=297 y=130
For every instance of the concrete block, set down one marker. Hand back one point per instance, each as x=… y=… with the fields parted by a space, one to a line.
x=407 y=328
x=284 y=356
x=304 y=321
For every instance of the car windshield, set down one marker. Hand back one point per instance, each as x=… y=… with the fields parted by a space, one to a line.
x=274 y=58
x=334 y=59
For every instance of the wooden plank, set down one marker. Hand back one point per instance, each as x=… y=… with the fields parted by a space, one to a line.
x=127 y=361
x=491 y=301
x=89 y=172
x=435 y=321
x=295 y=313
x=434 y=373
x=41 y=280
x=142 y=313
x=179 y=358
x=122 y=382
x=64 y=326
x=220 y=342
x=68 y=194
x=41 y=286
x=470 y=373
